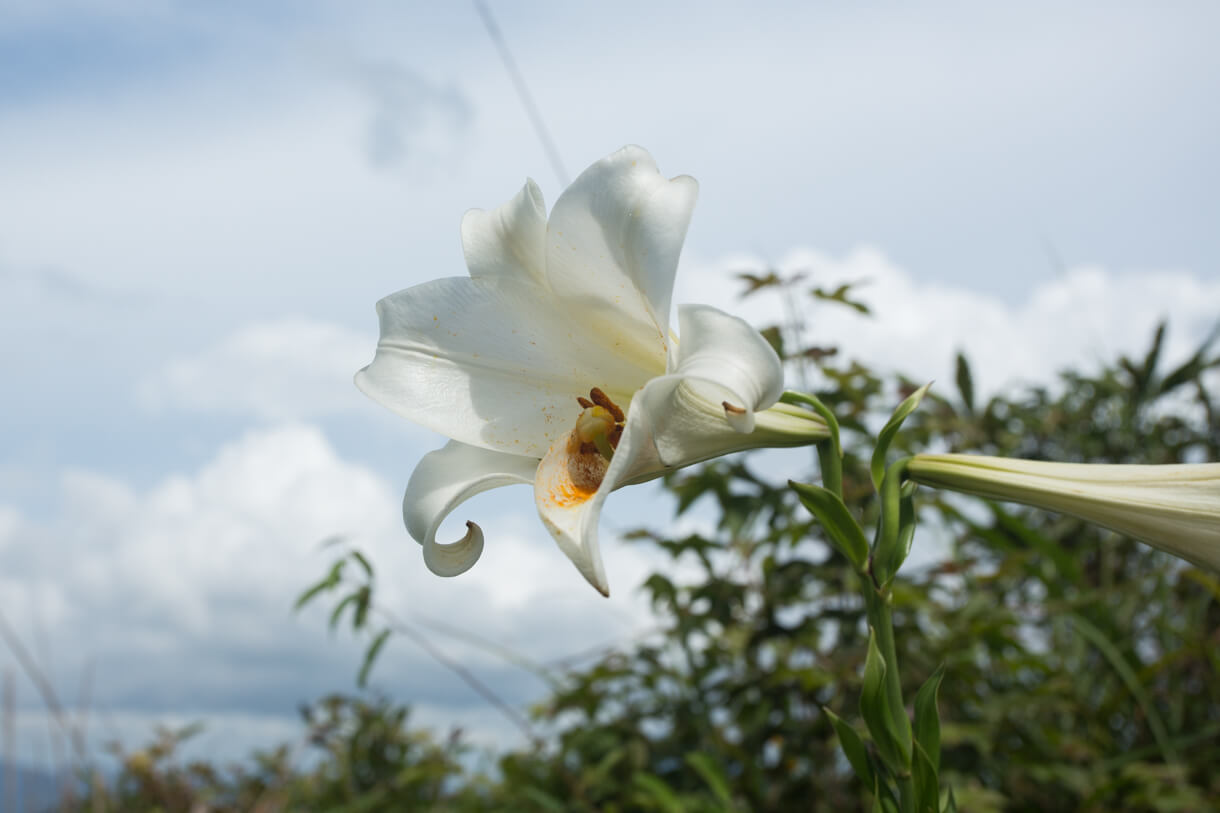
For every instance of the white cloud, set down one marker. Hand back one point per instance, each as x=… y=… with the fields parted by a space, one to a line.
x=182 y=593
x=284 y=369
x=1082 y=318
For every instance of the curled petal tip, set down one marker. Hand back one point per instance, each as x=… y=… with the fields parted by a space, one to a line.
x=457 y=557
x=740 y=418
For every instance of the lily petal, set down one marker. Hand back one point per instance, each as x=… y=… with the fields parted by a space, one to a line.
x=442 y=481
x=676 y=420
x=726 y=373
x=1174 y=507
x=570 y=511
x=489 y=362
x=613 y=242
x=510 y=241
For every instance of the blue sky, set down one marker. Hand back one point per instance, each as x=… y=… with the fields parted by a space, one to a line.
x=199 y=205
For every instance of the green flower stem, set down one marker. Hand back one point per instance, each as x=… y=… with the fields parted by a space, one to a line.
x=830 y=451
x=880 y=618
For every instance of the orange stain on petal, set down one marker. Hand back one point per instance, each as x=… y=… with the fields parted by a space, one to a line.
x=567 y=494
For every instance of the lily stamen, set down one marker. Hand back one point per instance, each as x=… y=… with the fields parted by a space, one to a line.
x=602 y=400
x=600 y=425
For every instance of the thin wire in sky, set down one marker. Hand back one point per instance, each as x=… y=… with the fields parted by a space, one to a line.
x=523 y=91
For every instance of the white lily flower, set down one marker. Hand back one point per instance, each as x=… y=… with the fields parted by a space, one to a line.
x=553 y=363
x=1172 y=507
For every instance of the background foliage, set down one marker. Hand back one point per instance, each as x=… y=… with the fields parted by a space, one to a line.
x=1082 y=669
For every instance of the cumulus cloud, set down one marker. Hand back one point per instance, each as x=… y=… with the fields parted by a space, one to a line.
x=282 y=369
x=181 y=593
x=1086 y=316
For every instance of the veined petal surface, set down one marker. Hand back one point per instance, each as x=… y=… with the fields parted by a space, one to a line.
x=726 y=372
x=676 y=420
x=613 y=241
x=508 y=242
x=442 y=481
x=1174 y=507
x=571 y=511
x=491 y=363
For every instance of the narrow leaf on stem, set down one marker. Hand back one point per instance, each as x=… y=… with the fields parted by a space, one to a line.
x=841 y=527
x=927 y=717
x=886 y=437
x=853 y=748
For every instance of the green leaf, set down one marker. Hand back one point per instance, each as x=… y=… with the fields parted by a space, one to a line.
x=602 y=769
x=886 y=437
x=876 y=711
x=1129 y=677
x=339 y=608
x=364 y=563
x=311 y=593
x=897 y=527
x=883 y=798
x=950 y=803
x=543 y=799
x=841 y=527
x=853 y=748
x=370 y=655
x=927 y=717
x=839 y=295
x=830 y=451
x=706 y=767
x=775 y=338
x=329 y=582
x=364 y=597
x=756 y=282
x=965 y=382
x=1190 y=369
x=654 y=790
x=927 y=790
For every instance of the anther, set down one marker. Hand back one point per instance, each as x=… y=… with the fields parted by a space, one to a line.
x=602 y=400
x=584 y=402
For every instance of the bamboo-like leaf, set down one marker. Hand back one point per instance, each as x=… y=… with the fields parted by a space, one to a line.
x=543 y=799
x=886 y=437
x=311 y=593
x=950 y=803
x=841 y=527
x=364 y=599
x=1190 y=369
x=328 y=582
x=853 y=748
x=364 y=563
x=707 y=768
x=965 y=382
x=1128 y=676
x=654 y=790
x=602 y=769
x=339 y=608
x=370 y=655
